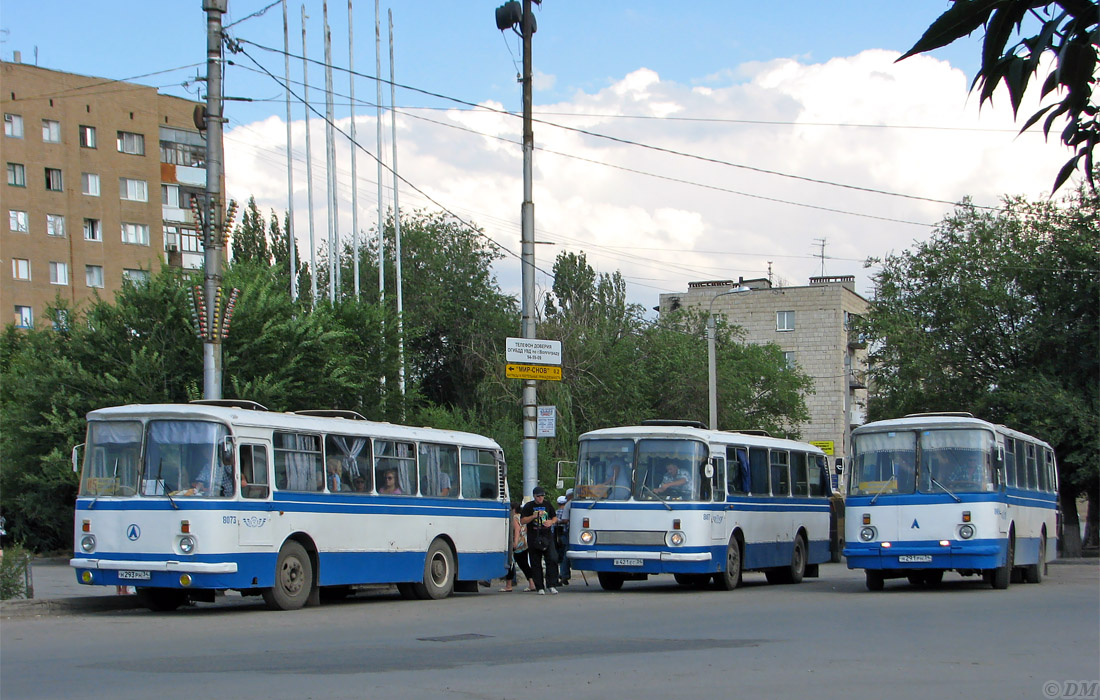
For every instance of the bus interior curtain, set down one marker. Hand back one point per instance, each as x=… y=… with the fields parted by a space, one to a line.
x=351 y=452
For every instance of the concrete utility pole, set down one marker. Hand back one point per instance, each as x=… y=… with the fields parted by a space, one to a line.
x=291 y=243
x=213 y=214
x=527 y=253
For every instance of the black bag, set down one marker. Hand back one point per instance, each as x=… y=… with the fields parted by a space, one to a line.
x=540 y=538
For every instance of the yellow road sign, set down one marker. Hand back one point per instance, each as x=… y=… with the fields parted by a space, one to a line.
x=825 y=445
x=515 y=371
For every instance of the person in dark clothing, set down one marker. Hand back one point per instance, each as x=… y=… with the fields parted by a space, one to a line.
x=539 y=517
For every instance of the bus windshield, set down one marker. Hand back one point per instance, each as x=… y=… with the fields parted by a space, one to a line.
x=956 y=460
x=183 y=458
x=604 y=470
x=111 y=459
x=669 y=469
x=883 y=463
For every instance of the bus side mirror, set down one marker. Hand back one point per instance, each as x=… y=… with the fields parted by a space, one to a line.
x=76 y=457
x=227 y=450
x=839 y=465
x=708 y=470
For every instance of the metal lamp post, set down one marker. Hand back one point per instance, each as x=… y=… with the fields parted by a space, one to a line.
x=712 y=372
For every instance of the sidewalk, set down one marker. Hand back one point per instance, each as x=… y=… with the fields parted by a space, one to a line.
x=56 y=592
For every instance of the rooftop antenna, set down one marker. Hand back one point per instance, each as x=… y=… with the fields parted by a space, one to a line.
x=822 y=254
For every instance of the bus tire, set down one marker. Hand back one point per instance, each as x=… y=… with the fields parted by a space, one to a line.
x=293 y=579
x=730 y=578
x=798 y=561
x=915 y=579
x=439 y=573
x=162 y=599
x=933 y=578
x=683 y=579
x=1002 y=575
x=406 y=591
x=611 y=581
x=875 y=580
x=1034 y=572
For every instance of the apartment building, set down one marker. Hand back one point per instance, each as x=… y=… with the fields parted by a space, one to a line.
x=811 y=325
x=84 y=160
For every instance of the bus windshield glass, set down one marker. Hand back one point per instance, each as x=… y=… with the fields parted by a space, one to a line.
x=956 y=461
x=669 y=469
x=184 y=458
x=111 y=459
x=604 y=470
x=883 y=463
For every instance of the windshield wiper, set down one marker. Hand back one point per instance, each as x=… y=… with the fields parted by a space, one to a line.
x=946 y=490
x=163 y=486
x=880 y=491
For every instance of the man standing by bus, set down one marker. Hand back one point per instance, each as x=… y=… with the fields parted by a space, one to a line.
x=539 y=517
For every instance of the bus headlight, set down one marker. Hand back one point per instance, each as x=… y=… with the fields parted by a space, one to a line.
x=587 y=537
x=867 y=534
x=676 y=538
x=87 y=543
x=187 y=544
x=966 y=531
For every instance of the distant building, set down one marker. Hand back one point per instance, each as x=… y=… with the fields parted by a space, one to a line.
x=812 y=326
x=85 y=158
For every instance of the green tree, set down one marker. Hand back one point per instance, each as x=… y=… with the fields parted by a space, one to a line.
x=249 y=241
x=999 y=314
x=1066 y=33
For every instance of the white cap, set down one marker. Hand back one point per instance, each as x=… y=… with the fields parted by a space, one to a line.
x=561 y=500
x=568 y=493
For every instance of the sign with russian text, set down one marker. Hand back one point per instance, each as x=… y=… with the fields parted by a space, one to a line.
x=532 y=351
x=825 y=445
x=547 y=422
x=514 y=371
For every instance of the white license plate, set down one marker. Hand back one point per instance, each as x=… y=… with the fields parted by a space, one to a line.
x=627 y=562
x=134 y=575
x=915 y=559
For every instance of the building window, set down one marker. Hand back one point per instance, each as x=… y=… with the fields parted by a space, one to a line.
x=131 y=143
x=135 y=276
x=181 y=147
x=92 y=230
x=61 y=319
x=17 y=221
x=133 y=190
x=185 y=240
x=24 y=317
x=170 y=195
x=784 y=320
x=21 y=269
x=13 y=126
x=17 y=175
x=788 y=357
x=51 y=131
x=89 y=184
x=93 y=275
x=53 y=180
x=136 y=234
x=59 y=273
x=87 y=136
x=55 y=225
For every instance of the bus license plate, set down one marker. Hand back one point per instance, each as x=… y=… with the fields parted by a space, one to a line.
x=915 y=559
x=627 y=562
x=134 y=575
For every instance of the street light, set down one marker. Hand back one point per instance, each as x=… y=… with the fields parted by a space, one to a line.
x=712 y=330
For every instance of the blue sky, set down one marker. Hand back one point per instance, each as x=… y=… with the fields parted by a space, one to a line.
x=806 y=89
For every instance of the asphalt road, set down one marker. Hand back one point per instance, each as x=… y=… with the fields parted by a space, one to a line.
x=824 y=638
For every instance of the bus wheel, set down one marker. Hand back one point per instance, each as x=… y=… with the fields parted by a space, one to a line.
x=875 y=580
x=406 y=590
x=730 y=578
x=798 y=561
x=293 y=579
x=1034 y=572
x=610 y=581
x=1002 y=575
x=933 y=579
x=683 y=579
x=915 y=579
x=439 y=573
x=162 y=599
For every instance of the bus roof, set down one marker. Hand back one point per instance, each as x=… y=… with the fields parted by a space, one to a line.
x=232 y=415
x=724 y=437
x=918 y=421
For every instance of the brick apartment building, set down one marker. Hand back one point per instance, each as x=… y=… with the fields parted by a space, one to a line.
x=811 y=325
x=84 y=160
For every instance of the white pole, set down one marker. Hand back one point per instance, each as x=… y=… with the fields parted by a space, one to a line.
x=397 y=230
x=309 y=170
x=378 y=122
x=289 y=165
x=354 y=148
x=330 y=158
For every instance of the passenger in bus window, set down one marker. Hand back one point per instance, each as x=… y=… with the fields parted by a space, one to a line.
x=674 y=482
x=199 y=486
x=360 y=484
x=335 y=479
x=388 y=483
x=617 y=481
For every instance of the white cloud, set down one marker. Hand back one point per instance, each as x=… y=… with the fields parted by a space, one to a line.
x=661 y=233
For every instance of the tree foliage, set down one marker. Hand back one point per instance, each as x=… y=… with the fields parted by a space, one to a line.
x=998 y=314
x=1067 y=33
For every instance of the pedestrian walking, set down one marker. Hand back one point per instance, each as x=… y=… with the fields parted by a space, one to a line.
x=539 y=516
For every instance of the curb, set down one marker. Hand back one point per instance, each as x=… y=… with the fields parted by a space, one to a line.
x=37 y=607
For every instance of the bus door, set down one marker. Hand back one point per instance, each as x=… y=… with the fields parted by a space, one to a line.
x=719 y=516
x=254 y=524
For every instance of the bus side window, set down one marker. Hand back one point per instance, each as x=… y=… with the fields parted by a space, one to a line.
x=737 y=470
x=758 y=468
x=254 y=481
x=800 y=476
x=781 y=474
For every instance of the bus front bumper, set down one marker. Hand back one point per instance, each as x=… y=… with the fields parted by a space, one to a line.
x=931 y=555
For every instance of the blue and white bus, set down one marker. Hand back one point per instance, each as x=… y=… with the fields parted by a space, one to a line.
x=184 y=500
x=670 y=497
x=935 y=492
